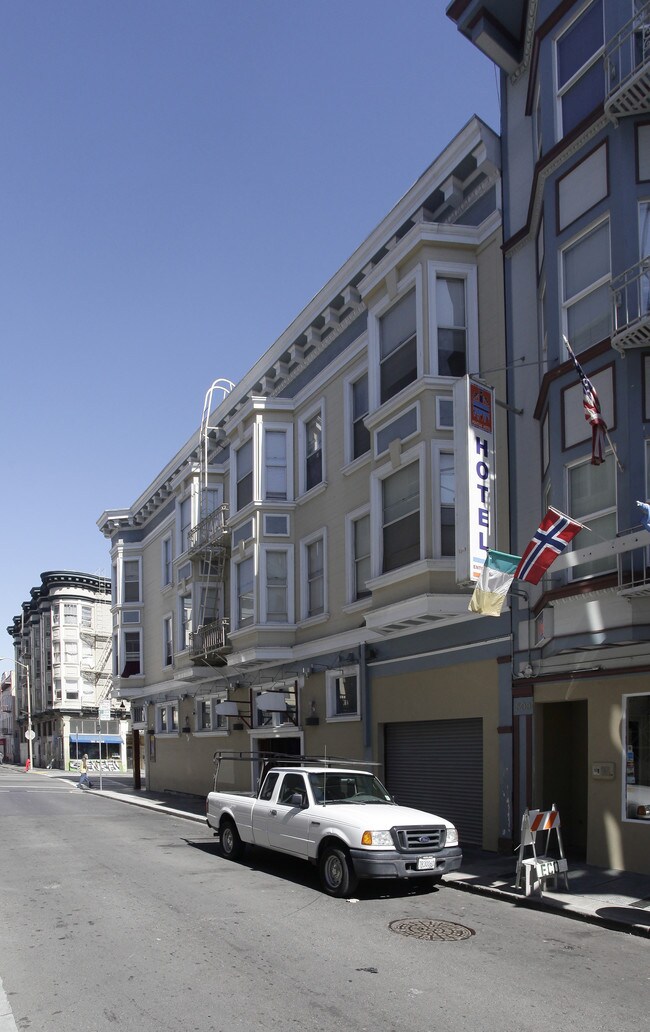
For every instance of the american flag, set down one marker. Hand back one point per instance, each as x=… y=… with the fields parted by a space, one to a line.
x=554 y=533
x=593 y=413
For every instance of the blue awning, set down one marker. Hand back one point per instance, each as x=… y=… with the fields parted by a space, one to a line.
x=104 y=739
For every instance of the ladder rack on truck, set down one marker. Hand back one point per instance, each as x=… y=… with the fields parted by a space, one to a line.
x=268 y=760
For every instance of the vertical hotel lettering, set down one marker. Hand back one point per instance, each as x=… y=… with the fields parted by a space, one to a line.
x=475 y=473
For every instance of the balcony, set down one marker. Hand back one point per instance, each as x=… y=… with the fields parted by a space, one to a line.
x=631 y=307
x=634 y=572
x=627 y=68
x=210 y=642
x=211 y=534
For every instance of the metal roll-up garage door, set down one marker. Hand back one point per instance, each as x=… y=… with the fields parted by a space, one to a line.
x=437 y=765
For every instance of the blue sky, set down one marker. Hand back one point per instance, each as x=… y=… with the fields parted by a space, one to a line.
x=179 y=178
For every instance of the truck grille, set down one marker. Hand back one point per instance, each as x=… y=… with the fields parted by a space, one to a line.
x=419 y=840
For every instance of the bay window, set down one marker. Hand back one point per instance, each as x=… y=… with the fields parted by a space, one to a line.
x=398 y=364
x=579 y=64
x=245 y=592
x=244 y=483
x=586 y=273
x=592 y=501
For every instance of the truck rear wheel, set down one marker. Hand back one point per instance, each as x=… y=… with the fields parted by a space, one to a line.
x=337 y=875
x=231 y=844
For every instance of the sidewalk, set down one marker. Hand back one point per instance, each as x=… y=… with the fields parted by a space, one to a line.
x=613 y=899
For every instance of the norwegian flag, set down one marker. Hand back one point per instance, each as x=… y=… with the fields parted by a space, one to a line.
x=553 y=535
x=593 y=413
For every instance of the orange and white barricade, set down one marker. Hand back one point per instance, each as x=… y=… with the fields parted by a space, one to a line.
x=539 y=866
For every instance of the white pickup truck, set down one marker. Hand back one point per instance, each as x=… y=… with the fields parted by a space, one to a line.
x=341 y=819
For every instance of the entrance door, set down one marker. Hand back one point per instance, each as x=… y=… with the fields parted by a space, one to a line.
x=564 y=770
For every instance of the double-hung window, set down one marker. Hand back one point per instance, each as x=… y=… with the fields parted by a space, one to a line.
x=579 y=64
x=398 y=361
x=313 y=576
x=592 y=500
x=451 y=311
x=185 y=524
x=131 y=580
x=167 y=718
x=275 y=465
x=361 y=556
x=313 y=451
x=360 y=409
x=245 y=592
x=69 y=614
x=185 y=621
x=277 y=585
x=132 y=654
x=447 y=503
x=401 y=517
x=166 y=561
x=244 y=465
x=586 y=273
x=168 y=641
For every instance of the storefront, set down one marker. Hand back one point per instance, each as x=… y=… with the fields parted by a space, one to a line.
x=108 y=750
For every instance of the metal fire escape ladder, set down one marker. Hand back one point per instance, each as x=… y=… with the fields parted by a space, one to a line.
x=209 y=541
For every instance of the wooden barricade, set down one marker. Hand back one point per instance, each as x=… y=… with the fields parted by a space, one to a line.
x=539 y=867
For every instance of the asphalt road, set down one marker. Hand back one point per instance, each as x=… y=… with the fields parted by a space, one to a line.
x=113 y=916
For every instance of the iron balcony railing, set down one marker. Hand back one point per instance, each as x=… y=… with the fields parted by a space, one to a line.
x=634 y=569
x=627 y=67
x=210 y=640
x=211 y=532
x=631 y=307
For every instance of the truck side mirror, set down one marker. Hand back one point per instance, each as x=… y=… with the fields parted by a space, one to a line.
x=297 y=799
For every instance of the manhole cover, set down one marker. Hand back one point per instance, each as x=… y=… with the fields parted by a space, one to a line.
x=433 y=931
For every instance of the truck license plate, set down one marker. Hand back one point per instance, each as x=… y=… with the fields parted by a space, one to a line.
x=426 y=863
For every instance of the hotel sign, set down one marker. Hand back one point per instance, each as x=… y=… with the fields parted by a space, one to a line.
x=475 y=476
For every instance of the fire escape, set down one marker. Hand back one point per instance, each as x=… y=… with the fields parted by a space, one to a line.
x=99 y=672
x=209 y=547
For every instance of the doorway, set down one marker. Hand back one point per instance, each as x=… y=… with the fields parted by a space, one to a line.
x=564 y=770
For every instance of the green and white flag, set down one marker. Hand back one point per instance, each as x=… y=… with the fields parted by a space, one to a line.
x=494 y=583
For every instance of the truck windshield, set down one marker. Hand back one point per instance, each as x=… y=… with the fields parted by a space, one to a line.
x=347 y=787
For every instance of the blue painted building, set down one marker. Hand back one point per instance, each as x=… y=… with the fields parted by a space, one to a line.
x=575 y=82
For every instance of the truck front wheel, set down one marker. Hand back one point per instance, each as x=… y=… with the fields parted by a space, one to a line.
x=231 y=844
x=337 y=875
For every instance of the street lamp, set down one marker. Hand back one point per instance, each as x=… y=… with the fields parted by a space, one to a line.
x=29 y=734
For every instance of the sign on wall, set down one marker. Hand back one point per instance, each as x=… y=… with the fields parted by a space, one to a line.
x=475 y=476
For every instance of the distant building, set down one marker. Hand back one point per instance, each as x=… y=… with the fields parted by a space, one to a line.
x=62 y=642
x=7 y=716
x=297 y=578
x=575 y=88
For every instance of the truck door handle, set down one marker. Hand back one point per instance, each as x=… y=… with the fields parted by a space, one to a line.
x=273 y=813
x=315 y=824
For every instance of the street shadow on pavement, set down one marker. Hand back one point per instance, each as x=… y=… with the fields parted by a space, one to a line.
x=299 y=872
x=622 y=914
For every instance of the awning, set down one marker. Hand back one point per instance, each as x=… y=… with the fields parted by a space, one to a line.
x=104 y=739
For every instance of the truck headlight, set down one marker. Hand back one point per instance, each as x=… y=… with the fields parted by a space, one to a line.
x=452 y=837
x=376 y=838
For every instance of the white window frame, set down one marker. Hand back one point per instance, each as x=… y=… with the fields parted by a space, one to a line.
x=172 y=724
x=348 y=414
x=136 y=560
x=304 y=421
x=439 y=448
x=351 y=520
x=168 y=641
x=70 y=610
x=184 y=529
x=375 y=315
x=331 y=678
x=124 y=634
x=320 y=534
x=446 y=399
x=377 y=478
x=166 y=561
x=468 y=273
x=185 y=627
x=278 y=428
x=569 y=302
x=218 y=723
x=247 y=440
x=235 y=596
x=595 y=57
x=287 y=551
x=71 y=651
x=86 y=616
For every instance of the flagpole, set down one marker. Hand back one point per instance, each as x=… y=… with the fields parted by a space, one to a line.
x=582 y=375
